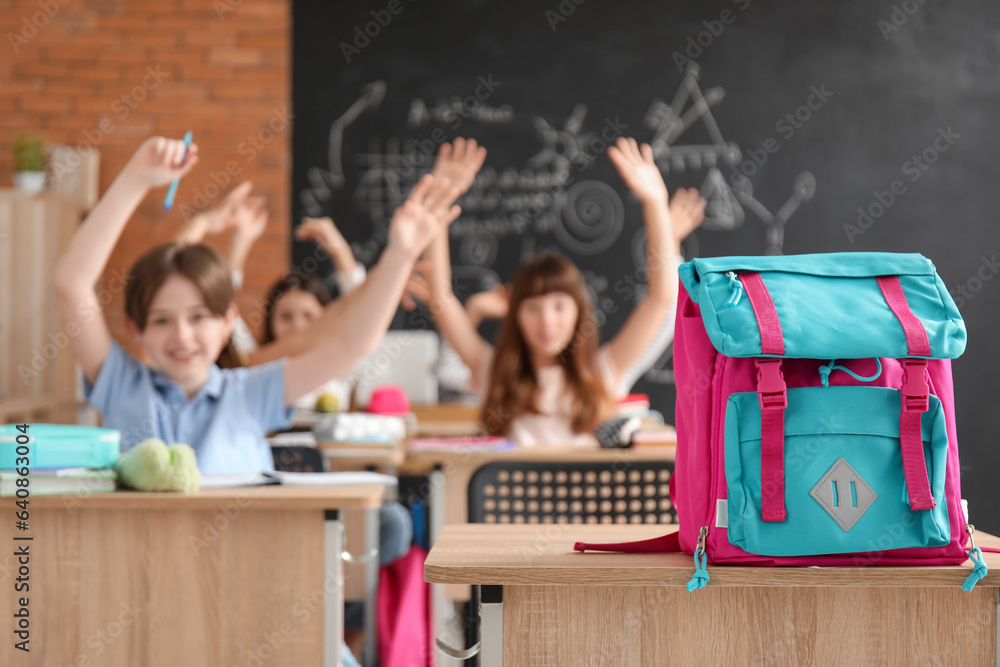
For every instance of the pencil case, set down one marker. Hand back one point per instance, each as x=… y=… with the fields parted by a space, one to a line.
x=59 y=446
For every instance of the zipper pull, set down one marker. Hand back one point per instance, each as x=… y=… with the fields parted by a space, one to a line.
x=700 y=578
x=735 y=291
x=976 y=556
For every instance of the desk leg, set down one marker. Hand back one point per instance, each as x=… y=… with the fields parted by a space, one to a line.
x=491 y=626
x=370 y=651
x=442 y=610
x=333 y=603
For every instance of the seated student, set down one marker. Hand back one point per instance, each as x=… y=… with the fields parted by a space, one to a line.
x=179 y=303
x=548 y=381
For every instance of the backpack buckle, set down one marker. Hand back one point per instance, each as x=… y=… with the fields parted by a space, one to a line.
x=915 y=389
x=772 y=392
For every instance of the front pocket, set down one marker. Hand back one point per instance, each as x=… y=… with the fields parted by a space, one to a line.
x=845 y=491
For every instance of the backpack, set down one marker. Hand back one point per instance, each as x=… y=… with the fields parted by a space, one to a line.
x=815 y=415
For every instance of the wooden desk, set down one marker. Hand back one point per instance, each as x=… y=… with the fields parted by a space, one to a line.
x=210 y=578
x=564 y=608
x=447 y=420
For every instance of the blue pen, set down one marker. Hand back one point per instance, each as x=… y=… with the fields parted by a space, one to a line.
x=172 y=192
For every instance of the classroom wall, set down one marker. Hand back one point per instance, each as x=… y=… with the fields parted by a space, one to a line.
x=109 y=74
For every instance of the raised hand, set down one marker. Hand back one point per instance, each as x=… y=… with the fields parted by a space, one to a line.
x=417 y=289
x=250 y=218
x=429 y=208
x=159 y=160
x=492 y=304
x=459 y=162
x=220 y=218
x=321 y=231
x=636 y=167
x=687 y=210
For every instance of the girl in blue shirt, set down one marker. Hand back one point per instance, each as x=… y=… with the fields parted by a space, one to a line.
x=180 y=308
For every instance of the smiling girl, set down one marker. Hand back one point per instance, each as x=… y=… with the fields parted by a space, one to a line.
x=179 y=307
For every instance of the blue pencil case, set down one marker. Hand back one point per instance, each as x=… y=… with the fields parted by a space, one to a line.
x=60 y=446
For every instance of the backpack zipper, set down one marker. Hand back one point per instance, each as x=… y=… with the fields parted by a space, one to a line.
x=700 y=577
x=979 y=569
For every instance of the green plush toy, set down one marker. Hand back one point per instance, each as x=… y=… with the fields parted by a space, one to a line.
x=152 y=466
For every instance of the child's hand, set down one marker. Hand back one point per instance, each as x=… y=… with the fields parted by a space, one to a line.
x=159 y=161
x=429 y=208
x=417 y=289
x=321 y=231
x=687 y=210
x=459 y=161
x=250 y=218
x=224 y=216
x=636 y=167
x=492 y=304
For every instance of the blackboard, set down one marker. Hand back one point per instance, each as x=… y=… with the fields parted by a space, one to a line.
x=859 y=125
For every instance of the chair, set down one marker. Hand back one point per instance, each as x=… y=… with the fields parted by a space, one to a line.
x=297 y=459
x=572 y=492
x=568 y=493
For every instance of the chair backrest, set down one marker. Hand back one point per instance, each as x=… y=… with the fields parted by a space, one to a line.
x=298 y=459
x=563 y=492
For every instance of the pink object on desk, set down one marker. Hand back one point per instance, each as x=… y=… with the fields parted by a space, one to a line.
x=389 y=400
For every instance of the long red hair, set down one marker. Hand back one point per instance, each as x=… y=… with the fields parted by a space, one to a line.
x=513 y=385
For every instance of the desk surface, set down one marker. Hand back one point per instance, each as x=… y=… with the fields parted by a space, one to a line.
x=490 y=554
x=269 y=497
x=461 y=455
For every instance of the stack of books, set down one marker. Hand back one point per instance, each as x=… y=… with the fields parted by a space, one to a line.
x=58 y=459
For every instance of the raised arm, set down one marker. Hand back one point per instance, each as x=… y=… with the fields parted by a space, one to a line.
x=636 y=166
x=429 y=209
x=347 y=272
x=459 y=161
x=157 y=162
x=249 y=220
x=216 y=219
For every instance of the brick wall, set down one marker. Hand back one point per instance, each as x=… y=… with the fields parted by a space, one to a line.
x=109 y=74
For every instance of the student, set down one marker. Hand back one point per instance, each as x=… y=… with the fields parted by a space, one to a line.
x=179 y=306
x=547 y=381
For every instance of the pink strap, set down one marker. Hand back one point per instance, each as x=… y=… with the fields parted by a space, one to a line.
x=773 y=397
x=669 y=543
x=915 y=392
x=771 y=339
x=916 y=336
x=993 y=550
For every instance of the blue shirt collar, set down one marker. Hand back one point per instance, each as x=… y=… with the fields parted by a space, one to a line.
x=212 y=387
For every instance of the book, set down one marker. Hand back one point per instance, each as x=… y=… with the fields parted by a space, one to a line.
x=332 y=478
x=70 y=481
x=298 y=479
x=483 y=443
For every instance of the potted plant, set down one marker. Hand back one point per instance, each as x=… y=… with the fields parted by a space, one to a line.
x=29 y=163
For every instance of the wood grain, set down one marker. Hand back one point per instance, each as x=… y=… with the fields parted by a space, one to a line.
x=543 y=554
x=610 y=625
x=187 y=587
x=271 y=497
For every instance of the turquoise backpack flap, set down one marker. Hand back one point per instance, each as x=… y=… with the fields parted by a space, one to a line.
x=829 y=305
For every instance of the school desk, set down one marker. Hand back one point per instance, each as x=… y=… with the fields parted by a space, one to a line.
x=543 y=603
x=210 y=578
